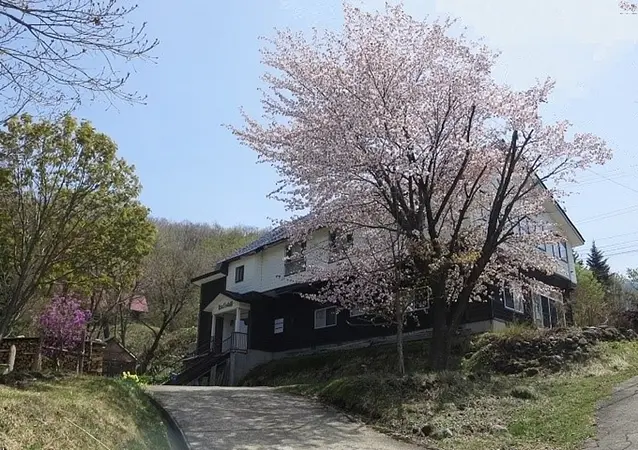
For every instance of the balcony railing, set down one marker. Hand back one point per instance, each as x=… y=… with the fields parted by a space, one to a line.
x=236 y=342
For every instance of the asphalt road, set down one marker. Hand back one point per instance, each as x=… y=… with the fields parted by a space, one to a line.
x=617 y=420
x=222 y=418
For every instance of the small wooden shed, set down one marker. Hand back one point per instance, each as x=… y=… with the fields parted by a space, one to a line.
x=117 y=359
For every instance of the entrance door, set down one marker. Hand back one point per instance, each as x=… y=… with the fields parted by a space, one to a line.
x=219 y=332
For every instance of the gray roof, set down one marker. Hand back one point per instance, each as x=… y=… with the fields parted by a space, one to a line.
x=271 y=237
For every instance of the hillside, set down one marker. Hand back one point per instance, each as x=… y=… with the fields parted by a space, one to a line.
x=77 y=413
x=476 y=406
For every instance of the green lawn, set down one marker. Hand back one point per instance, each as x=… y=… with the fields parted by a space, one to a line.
x=79 y=413
x=492 y=412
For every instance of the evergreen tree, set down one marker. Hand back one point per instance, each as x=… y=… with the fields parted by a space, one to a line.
x=597 y=263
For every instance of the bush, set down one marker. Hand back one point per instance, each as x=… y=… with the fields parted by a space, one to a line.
x=521 y=350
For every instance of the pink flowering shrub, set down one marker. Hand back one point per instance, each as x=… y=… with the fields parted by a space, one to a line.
x=62 y=325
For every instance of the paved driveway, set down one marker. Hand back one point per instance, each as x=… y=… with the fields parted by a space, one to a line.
x=617 y=420
x=261 y=418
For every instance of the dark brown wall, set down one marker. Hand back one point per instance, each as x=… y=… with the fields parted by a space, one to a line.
x=208 y=292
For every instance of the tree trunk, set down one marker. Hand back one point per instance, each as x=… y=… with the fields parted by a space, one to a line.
x=400 y=343
x=150 y=353
x=438 y=357
x=443 y=330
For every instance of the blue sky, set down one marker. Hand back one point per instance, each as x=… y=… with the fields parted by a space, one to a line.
x=208 y=66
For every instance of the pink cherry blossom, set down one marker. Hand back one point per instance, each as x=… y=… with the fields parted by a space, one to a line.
x=393 y=126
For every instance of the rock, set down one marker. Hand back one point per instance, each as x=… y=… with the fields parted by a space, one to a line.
x=582 y=341
x=443 y=433
x=427 y=429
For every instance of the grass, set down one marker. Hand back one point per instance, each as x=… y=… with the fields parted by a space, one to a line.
x=483 y=412
x=79 y=413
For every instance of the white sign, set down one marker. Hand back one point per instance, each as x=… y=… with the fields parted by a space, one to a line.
x=279 y=326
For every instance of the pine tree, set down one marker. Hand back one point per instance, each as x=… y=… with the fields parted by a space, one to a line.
x=597 y=263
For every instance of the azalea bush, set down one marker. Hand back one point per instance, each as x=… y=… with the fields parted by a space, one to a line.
x=62 y=326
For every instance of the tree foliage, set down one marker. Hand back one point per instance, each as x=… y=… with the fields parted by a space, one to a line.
x=56 y=52
x=589 y=302
x=74 y=220
x=597 y=263
x=394 y=121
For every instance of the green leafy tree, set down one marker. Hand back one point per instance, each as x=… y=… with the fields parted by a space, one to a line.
x=597 y=263
x=589 y=304
x=72 y=208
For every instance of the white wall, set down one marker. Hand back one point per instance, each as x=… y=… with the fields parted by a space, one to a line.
x=264 y=270
x=252 y=274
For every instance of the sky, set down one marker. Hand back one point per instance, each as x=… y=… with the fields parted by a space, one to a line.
x=207 y=66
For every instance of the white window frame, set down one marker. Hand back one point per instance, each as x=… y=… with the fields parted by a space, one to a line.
x=426 y=303
x=338 y=244
x=325 y=318
x=517 y=298
x=295 y=260
x=243 y=273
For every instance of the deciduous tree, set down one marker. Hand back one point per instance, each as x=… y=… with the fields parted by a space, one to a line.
x=55 y=53
x=589 y=304
x=67 y=188
x=398 y=119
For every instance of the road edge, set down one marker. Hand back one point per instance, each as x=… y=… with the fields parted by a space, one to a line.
x=176 y=437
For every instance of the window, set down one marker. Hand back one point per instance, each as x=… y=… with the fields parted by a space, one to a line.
x=239 y=274
x=279 y=325
x=513 y=299
x=295 y=261
x=354 y=312
x=339 y=243
x=562 y=251
x=542 y=247
x=418 y=302
x=326 y=317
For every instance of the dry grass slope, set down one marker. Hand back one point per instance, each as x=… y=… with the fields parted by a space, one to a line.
x=79 y=413
x=461 y=410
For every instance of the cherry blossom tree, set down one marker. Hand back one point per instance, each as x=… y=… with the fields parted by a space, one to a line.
x=372 y=274
x=63 y=326
x=394 y=120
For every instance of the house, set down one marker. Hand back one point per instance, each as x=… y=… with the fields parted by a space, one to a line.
x=138 y=306
x=251 y=310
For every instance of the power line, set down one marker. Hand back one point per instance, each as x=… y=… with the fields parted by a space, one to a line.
x=614 y=181
x=609 y=214
x=615 y=236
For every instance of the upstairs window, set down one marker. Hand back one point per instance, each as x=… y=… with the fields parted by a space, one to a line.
x=339 y=244
x=239 y=274
x=562 y=251
x=295 y=261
